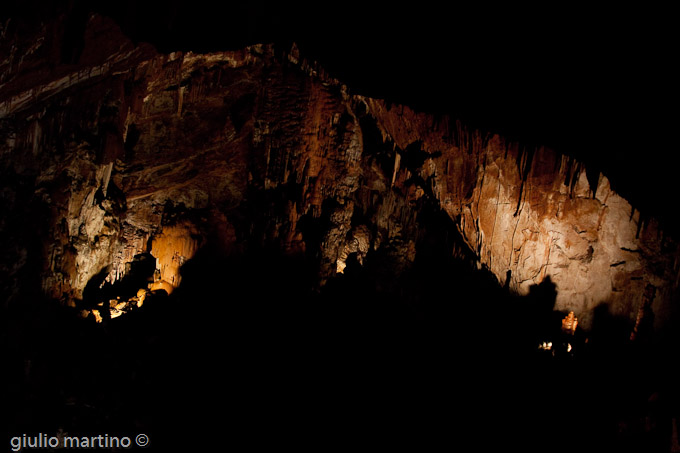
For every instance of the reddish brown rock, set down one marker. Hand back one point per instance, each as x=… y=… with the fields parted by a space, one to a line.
x=129 y=151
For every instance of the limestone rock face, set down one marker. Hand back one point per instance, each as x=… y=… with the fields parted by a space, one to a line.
x=126 y=151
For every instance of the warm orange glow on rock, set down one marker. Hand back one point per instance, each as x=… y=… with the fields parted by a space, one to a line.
x=97 y=316
x=569 y=324
x=172 y=248
x=161 y=284
x=141 y=295
x=201 y=132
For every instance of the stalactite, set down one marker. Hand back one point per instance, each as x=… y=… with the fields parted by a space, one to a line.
x=302 y=149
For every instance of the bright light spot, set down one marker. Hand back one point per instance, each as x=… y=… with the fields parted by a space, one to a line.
x=141 y=295
x=545 y=346
x=97 y=316
x=117 y=307
x=569 y=323
x=340 y=266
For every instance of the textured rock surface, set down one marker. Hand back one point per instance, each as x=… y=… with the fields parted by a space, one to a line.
x=123 y=151
x=532 y=213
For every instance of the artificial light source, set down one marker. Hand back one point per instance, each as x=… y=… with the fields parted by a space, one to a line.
x=569 y=323
x=545 y=346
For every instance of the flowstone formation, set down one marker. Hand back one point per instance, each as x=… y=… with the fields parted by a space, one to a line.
x=114 y=151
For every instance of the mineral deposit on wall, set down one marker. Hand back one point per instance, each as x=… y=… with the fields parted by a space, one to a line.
x=130 y=151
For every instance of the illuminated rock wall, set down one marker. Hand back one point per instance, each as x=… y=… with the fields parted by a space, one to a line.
x=172 y=248
x=533 y=213
x=129 y=151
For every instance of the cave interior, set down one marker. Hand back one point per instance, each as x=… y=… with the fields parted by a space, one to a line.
x=250 y=345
